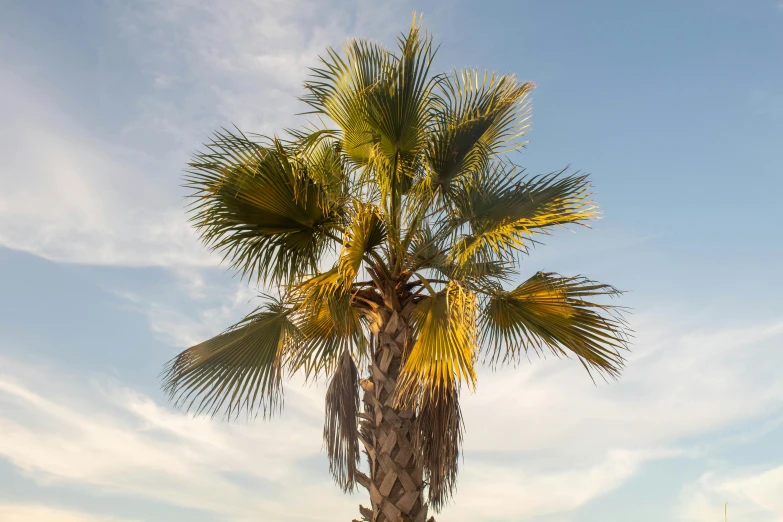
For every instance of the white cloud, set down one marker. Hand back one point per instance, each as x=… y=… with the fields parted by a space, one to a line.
x=116 y=440
x=675 y=385
x=750 y=495
x=550 y=426
x=69 y=192
x=505 y=492
x=68 y=196
x=225 y=305
x=521 y=424
x=37 y=513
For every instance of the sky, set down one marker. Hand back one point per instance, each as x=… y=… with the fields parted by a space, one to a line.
x=676 y=110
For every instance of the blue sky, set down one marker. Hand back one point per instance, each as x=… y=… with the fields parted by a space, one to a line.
x=675 y=108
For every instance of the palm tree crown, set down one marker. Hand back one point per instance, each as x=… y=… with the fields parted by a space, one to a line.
x=388 y=235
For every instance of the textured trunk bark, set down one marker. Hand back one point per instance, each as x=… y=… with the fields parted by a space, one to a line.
x=396 y=481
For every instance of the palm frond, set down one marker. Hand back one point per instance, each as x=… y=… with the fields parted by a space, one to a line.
x=341 y=430
x=438 y=439
x=239 y=369
x=552 y=312
x=254 y=204
x=398 y=106
x=339 y=90
x=323 y=162
x=328 y=323
x=476 y=116
x=504 y=210
x=366 y=232
x=444 y=348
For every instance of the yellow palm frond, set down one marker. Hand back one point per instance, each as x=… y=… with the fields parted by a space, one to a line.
x=445 y=345
x=328 y=323
x=504 y=211
x=339 y=90
x=552 y=312
x=365 y=232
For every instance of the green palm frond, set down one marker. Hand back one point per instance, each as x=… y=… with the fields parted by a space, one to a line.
x=341 y=431
x=365 y=232
x=504 y=210
x=339 y=90
x=426 y=252
x=399 y=105
x=552 y=312
x=239 y=369
x=381 y=103
x=328 y=324
x=258 y=207
x=476 y=116
x=324 y=163
x=445 y=345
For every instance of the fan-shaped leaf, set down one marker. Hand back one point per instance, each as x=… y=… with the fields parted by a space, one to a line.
x=366 y=232
x=552 y=312
x=475 y=117
x=504 y=211
x=327 y=322
x=444 y=348
x=256 y=206
x=235 y=370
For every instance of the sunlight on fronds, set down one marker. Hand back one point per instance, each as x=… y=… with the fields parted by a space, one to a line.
x=476 y=116
x=391 y=227
x=339 y=91
x=445 y=345
x=505 y=210
x=552 y=312
x=327 y=323
x=366 y=232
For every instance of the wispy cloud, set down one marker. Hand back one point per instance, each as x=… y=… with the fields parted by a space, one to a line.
x=505 y=492
x=678 y=389
x=119 y=440
x=112 y=197
x=40 y=513
x=684 y=381
x=751 y=494
x=214 y=305
x=110 y=437
x=676 y=385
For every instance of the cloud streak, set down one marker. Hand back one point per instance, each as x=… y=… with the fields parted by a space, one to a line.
x=113 y=438
x=38 y=513
x=752 y=495
x=120 y=441
x=113 y=198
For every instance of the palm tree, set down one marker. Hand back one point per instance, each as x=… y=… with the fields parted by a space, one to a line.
x=386 y=236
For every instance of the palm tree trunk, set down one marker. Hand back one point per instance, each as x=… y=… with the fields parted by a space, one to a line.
x=396 y=481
